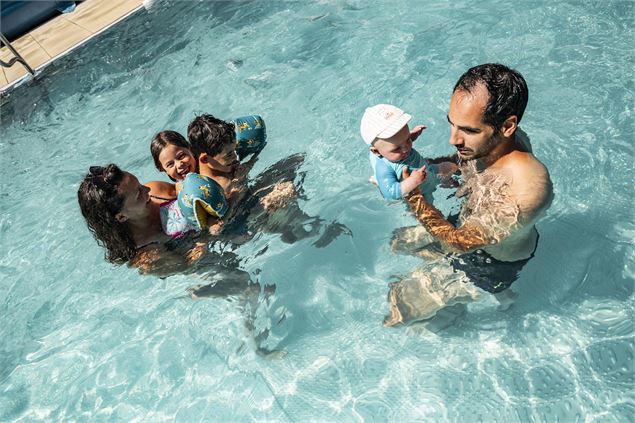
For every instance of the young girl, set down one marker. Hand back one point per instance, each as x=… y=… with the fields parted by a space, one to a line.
x=172 y=155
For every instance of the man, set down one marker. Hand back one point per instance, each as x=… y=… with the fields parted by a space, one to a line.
x=505 y=188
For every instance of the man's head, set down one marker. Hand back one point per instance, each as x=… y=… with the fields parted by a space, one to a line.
x=213 y=142
x=487 y=104
x=385 y=129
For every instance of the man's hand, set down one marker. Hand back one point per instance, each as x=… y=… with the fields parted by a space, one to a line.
x=416 y=131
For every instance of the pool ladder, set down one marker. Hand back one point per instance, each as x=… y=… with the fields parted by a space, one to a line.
x=17 y=57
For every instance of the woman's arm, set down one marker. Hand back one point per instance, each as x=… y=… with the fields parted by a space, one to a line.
x=158 y=260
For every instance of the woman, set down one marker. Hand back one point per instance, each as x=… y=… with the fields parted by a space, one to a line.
x=124 y=217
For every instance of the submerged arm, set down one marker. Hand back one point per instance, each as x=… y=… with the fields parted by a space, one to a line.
x=467 y=237
x=158 y=260
x=446 y=167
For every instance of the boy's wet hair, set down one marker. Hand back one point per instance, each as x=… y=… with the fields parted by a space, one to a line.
x=507 y=89
x=161 y=140
x=210 y=135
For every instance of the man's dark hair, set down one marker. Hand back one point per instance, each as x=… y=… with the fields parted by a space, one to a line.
x=208 y=134
x=508 y=93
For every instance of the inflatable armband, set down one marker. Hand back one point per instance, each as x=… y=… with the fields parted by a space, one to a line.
x=199 y=198
x=251 y=135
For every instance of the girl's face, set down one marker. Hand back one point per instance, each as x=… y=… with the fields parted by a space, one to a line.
x=177 y=161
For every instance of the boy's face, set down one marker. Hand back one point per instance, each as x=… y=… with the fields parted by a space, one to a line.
x=395 y=148
x=225 y=161
x=177 y=161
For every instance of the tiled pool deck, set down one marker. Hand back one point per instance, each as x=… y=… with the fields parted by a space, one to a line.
x=58 y=36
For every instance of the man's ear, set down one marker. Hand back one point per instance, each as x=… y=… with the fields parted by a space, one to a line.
x=121 y=218
x=509 y=126
x=375 y=151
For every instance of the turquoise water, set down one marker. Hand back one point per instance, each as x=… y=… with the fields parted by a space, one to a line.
x=85 y=340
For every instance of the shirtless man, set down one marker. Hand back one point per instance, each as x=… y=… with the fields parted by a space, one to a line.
x=504 y=191
x=506 y=188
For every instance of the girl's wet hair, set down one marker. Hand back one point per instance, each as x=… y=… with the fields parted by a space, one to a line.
x=507 y=89
x=208 y=134
x=161 y=140
x=100 y=201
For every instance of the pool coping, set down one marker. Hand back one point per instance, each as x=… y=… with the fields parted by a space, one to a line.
x=48 y=27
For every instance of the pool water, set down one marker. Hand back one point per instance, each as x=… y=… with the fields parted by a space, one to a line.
x=86 y=340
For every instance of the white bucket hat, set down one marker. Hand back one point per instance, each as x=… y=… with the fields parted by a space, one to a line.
x=382 y=121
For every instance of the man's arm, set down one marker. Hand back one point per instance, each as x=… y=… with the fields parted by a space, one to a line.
x=466 y=238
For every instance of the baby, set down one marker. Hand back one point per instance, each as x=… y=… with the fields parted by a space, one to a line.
x=385 y=129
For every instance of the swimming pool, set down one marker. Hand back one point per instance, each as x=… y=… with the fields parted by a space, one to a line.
x=83 y=339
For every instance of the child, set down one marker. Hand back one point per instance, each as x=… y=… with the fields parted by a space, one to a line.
x=202 y=203
x=385 y=129
x=172 y=155
x=213 y=142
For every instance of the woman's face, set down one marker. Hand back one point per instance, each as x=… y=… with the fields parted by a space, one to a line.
x=177 y=161
x=136 y=199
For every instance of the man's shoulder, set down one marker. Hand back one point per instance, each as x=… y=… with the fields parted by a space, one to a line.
x=521 y=163
x=530 y=181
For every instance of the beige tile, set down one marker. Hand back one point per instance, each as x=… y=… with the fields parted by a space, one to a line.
x=3 y=79
x=32 y=52
x=58 y=35
x=94 y=15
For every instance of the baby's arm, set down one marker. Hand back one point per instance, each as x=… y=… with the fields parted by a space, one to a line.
x=390 y=186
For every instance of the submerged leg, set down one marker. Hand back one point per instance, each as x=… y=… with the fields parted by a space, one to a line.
x=424 y=292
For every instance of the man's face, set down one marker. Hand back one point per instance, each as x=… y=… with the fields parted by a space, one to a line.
x=472 y=138
x=395 y=148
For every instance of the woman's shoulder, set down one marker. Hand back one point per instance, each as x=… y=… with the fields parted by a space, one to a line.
x=161 y=191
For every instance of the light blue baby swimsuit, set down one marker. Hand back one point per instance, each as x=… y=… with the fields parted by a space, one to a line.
x=389 y=174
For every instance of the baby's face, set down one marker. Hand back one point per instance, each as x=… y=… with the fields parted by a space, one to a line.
x=395 y=148
x=177 y=161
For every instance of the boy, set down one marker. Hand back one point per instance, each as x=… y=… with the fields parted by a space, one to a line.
x=213 y=143
x=385 y=129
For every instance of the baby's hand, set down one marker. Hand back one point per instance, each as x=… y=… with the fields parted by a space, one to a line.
x=418 y=175
x=416 y=131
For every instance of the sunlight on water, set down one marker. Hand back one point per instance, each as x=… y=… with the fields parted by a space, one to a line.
x=85 y=340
